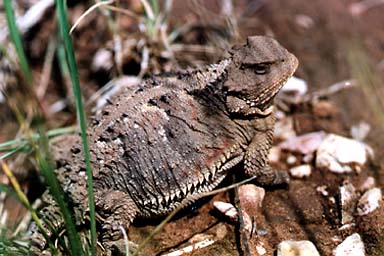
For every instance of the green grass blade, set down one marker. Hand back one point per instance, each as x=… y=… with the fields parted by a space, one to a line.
x=155 y=7
x=15 y=36
x=19 y=195
x=21 y=142
x=64 y=28
x=12 y=152
x=42 y=156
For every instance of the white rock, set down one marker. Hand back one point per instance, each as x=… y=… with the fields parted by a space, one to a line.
x=102 y=60
x=347 y=226
x=360 y=131
x=297 y=248
x=308 y=158
x=230 y=211
x=368 y=184
x=301 y=171
x=322 y=190
x=279 y=114
x=351 y=246
x=261 y=249
x=251 y=195
x=342 y=155
x=274 y=154
x=227 y=209
x=304 y=21
x=291 y=159
x=284 y=129
x=296 y=86
x=348 y=199
x=369 y=201
x=304 y=144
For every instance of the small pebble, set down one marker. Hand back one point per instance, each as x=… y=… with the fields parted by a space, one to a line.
x=102 y=60
x=284 y=129
x=304 y=21
x=322 y=190
x=231 y=212
x=308 y=158
x=368 y=184
x=342 y=155
x=323 y=109
x=301 y=171
x=291 y=159
x=251 y=196
x=295 y=86
x=261 y=249
x=351 y=246
x=274 y=155
x=347 y=226
x=369 y=202
x=304 y=144
x=297 y=248
x=348 y=199
x=227 y=209
x=360 y=131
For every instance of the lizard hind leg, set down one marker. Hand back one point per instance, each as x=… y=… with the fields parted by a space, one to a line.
x=256 y=161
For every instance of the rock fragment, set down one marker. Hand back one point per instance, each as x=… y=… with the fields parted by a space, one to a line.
x=360 y=131
x=274 y=155
x=251 y=197
x=304 y=144
x=297 y=248
x=300 y=171
x=324 y=109
x=230 y=211
x=351 y=246
x=342 y=155
x=260 y=248
x=348 y=200
x=296 y=86
x=284 y=129
x=369 y=201
x=368 y=183
x=227 y=209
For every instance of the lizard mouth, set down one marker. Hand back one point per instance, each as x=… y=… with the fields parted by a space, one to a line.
x=240 y=105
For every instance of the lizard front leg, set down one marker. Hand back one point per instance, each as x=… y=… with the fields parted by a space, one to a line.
x=256 y=161
x=119 y=211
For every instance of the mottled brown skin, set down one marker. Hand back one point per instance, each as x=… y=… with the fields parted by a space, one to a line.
x=177 y=136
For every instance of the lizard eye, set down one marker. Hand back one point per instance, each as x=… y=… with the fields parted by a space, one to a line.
x=261 y=69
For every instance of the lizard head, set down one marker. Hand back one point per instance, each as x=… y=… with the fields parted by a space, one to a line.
x=257 y=72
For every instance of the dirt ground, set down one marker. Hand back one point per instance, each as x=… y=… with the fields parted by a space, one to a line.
x=331 y=44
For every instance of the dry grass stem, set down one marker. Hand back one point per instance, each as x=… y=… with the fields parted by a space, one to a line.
x=87 y=12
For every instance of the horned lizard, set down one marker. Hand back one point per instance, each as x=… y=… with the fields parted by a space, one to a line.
x=179 y=135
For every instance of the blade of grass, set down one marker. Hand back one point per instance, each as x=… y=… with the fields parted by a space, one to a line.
x=18 y=194
x=15 y=36
x=12 y=144
x=42 y=156
x=64 y=28
x=362 y=69
x=11 y=244
x=12 y=152
x=155 y=7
